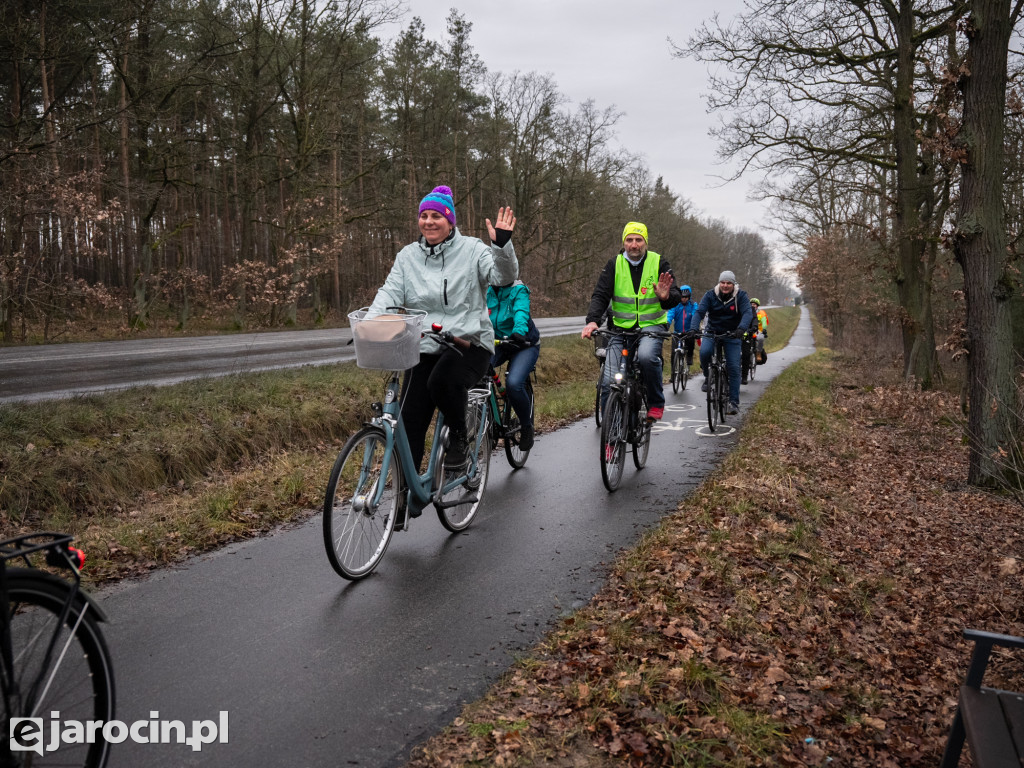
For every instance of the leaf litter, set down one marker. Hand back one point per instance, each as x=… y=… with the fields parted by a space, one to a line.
x=803 y=608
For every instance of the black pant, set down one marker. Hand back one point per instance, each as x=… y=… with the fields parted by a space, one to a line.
x=440 y=381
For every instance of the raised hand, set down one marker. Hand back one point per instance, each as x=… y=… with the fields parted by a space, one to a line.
x=505 y=220
x=665 y=281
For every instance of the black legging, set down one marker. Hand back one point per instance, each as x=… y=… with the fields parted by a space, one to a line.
x=440 y=381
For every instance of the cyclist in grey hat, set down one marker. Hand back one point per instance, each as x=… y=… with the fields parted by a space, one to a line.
x=727 y=309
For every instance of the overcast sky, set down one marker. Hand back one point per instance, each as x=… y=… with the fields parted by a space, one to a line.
x=617 y=54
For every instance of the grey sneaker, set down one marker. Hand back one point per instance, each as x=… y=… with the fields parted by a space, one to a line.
x=733 y=409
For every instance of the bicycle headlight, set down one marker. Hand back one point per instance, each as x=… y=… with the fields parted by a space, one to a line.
x=618 y=378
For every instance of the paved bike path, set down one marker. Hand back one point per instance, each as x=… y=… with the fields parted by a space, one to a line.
x=316 y=671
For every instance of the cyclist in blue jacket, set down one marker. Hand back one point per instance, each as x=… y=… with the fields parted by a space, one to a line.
x=727 y=309
x=509 y=309
x=680 y=319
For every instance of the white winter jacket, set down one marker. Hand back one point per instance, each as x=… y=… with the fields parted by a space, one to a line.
x=449 y=281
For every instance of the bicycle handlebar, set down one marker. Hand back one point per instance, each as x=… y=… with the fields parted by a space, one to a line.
x=631 y=332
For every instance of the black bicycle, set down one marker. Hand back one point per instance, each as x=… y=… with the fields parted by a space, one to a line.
x=717 y=379
x=625 y=412
x=505 y=423
x=53 y=657
x=680 y=370
x=749 y=357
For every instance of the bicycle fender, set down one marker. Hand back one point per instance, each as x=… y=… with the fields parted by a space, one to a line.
x=81 y=596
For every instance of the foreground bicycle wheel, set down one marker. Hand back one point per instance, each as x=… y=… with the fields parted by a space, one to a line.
x=361 y=504
x=458 y=507
x=713 y=405
x=723 y=393
x=79 y=682
x=678 y=364
x=613 y=441
x=516 y=456
x=597 y=404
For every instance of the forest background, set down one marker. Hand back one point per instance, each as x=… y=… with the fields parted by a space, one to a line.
x=205 y=164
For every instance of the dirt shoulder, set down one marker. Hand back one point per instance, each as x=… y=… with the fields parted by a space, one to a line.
x=803 y=607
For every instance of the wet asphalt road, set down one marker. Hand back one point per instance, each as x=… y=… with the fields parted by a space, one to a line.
x=51 y=371
x=316 y=671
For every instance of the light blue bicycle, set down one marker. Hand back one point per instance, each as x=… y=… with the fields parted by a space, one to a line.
x=374 y=489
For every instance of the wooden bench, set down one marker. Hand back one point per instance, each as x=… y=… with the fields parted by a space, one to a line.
x=991 y=720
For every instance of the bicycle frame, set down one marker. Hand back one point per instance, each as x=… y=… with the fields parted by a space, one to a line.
x=421 y=486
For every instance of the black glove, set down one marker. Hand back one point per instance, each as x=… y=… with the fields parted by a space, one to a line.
x=764 y=334
x=518 y=341
x=738 y=333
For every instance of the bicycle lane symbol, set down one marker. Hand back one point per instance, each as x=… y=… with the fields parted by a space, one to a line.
x=682 y=416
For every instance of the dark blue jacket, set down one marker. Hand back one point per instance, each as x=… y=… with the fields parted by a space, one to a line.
x=735 y=312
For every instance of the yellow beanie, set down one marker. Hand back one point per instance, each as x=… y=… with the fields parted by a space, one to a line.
x=635 y=228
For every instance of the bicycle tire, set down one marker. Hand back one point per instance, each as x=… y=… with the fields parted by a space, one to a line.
x=357 y=533
x=642 y=445
x=457 y=517
x=752 y=364
x=712 y=382
x=613 y=441
x=597 y=400
x=678 y=364
x=80 y=683
x=516 y=456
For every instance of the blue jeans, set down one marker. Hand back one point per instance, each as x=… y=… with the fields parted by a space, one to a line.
x=520 y=363
x=733 y=348
x=648 y=357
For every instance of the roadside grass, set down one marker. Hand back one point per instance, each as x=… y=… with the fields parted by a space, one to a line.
x=144 y=477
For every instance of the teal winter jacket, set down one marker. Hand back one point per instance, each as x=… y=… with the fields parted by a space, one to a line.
x=449 y=281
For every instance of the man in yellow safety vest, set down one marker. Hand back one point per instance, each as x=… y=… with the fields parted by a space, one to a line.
x=637 y=286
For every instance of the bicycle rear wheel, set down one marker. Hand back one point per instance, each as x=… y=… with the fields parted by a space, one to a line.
x=457 y=508
x=516 y=456
x=713 y=405
x=79 y=682
x=613 y=440
x=678 y=365
x=361 y=504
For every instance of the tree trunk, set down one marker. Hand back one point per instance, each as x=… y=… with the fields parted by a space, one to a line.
x=913 y=283
x=979 y=243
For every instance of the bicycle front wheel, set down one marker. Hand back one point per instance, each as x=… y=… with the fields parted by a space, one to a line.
x=79 y=681
x=513 y=431
x=597 y=402
x=752 y=365
x=457 y=508
x=613 y=440
x=712 y=382
x=678 y=365
x=361 y=504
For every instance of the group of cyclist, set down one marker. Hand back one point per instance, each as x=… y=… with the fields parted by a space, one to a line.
x=470 y=288
x=639 y=288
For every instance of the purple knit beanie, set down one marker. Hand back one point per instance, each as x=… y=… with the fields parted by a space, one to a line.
x=440 y=200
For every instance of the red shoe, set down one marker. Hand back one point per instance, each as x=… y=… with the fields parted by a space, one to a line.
x=655 y=413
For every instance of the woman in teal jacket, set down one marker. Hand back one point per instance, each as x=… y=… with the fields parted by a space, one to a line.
x=446 y=274
x=509 y=309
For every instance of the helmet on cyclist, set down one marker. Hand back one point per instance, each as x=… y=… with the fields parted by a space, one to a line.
x=756 y=301
x=685 y=289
